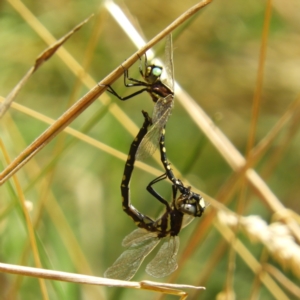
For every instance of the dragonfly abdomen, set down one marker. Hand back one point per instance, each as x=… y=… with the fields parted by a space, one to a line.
x=169 y=224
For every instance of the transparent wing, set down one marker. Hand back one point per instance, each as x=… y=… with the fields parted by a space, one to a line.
x=187 y=219
x=164 y=263
x=161 y=113
x=137 y=237
x=162 y=110
x=169 y=67
x=149 y=143
x=141 y=244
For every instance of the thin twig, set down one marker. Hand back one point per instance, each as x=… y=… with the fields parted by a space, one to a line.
x=44 y=56
x=259 y=78
x=172 y=289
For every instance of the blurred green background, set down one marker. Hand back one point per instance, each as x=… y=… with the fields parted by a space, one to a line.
x=216 y=59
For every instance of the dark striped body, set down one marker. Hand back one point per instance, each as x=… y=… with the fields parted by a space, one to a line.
x=187 y=197
x=170 y=222
x=128 y=208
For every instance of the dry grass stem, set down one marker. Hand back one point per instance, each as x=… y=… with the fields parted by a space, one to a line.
x=30 y=229
x=43 y=57
x=276 y=237
x=251 y=262
x=259 y=79
x=165 y=288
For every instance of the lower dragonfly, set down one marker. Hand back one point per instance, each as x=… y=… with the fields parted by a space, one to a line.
x=143 y=240
x=162 y=94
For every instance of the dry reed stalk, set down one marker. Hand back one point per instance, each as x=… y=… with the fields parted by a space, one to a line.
x=276 y=237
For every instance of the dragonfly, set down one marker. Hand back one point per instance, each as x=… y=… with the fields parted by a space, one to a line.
x=179 y=213
x=161 y=92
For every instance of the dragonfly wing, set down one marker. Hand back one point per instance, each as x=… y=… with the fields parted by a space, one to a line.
x=149 y=143
x=125 y=267
x=162 y=110
x=136 y=237
x=187 y=219
x=164 y=263
x=161 y=113
x=169 y=67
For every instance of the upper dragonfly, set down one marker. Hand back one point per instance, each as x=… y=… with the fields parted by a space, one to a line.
x=162 y=94
x=182 y=210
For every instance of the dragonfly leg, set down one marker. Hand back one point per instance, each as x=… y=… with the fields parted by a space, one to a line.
x=145 y=65
x=134 y=83
x=112 y=91
x=155 y=194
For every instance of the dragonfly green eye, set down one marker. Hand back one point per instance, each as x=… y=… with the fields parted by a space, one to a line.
x=156 y=71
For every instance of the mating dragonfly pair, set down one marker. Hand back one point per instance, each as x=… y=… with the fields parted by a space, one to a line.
x=180 y=211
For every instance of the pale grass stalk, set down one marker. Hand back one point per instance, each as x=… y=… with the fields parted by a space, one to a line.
x=276 y=237
x=165 y=288
x=284 y=281
x=259 y=78
x=291 y=115
x=250 y=260
x=31 y=234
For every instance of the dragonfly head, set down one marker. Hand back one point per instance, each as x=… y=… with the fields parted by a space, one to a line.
x=190 y=203
x=153 y=73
